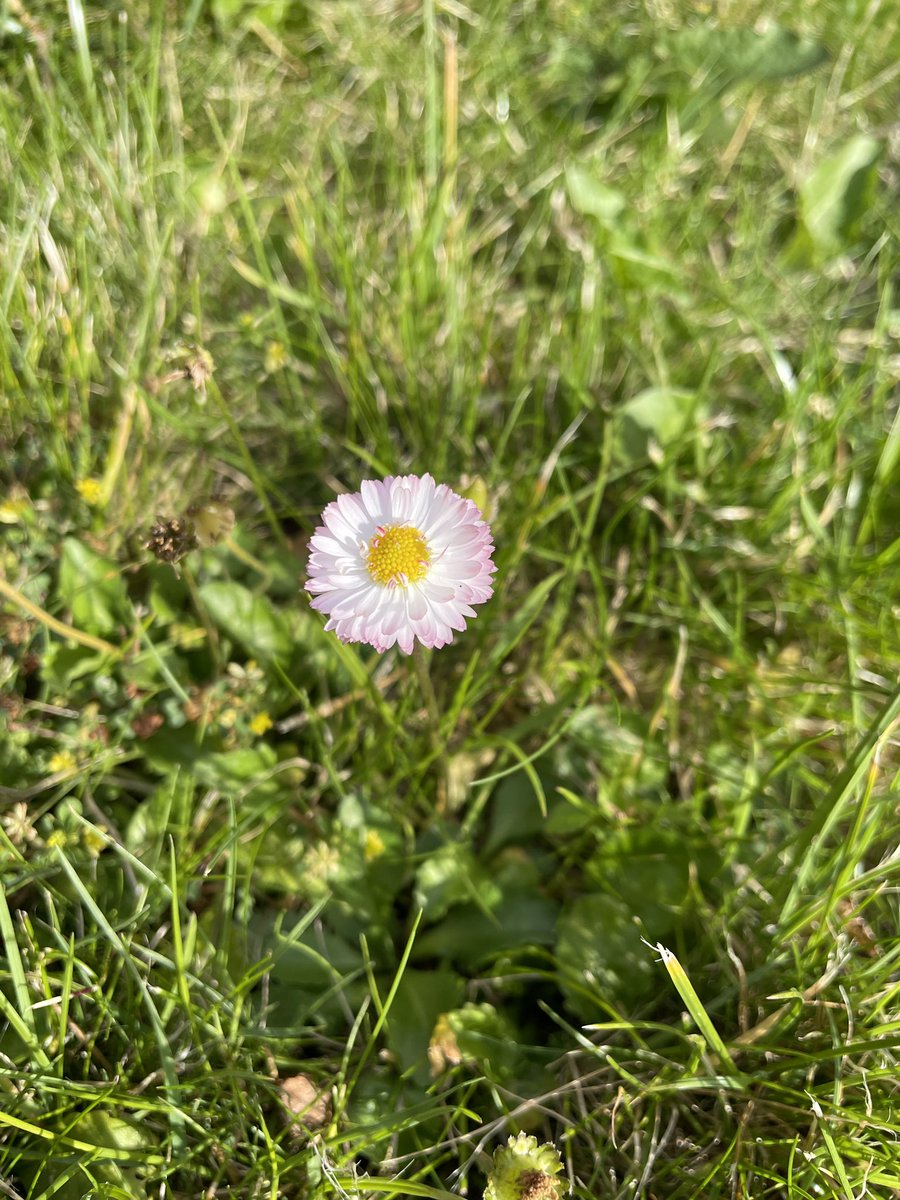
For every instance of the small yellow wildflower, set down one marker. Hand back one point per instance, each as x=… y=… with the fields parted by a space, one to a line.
x=63 y=760
x=14 y=506
x=187 y=636
x=90 y=490
x=374 y=845
x=94 y=841
x=58 y=837
x=260 y=724
x=276 y=357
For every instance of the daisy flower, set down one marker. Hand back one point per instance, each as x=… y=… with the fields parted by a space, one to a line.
x=402 y=558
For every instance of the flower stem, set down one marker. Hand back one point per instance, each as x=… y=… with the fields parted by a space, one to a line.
x=428 y=694
x=433 y=711
x=66 y=631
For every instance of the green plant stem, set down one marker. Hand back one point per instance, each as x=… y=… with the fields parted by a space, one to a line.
x=60 y=627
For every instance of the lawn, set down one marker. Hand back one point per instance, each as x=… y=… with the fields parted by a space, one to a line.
x=617 y=869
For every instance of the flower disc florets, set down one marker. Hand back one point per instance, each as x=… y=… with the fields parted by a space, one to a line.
x=402 y=558
x=397 y=555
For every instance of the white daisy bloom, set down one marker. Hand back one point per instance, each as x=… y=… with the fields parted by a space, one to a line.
x=402 y=558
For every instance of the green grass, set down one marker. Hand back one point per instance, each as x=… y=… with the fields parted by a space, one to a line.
x=625 y=275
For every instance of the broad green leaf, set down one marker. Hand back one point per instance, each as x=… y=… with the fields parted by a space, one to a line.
x=125 y=1139
x=420 y=999
x=315 y=974
x=515 y=813
x=451 y=876
x=235 y=769
x=570 y=813
x=650 y=870
x=471 y=936
x=63 y=665
x=117 y=1133
x=731 y=55
x=620 y=749
x=231 y=14
x=248 y=619
x=315 y=959
x=591 y=197
x=838 y=193
x=147 y=828
x=176 y=747
x=169 y=596
x=227 y=771
x=382 y=1103
x=613 y=738
x=92 y=588
x=660 y=415
x=600 y=954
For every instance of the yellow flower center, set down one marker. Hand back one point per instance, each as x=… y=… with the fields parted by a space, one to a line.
x=397 y=554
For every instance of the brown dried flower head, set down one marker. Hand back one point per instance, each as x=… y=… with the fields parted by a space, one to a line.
x=171 y=540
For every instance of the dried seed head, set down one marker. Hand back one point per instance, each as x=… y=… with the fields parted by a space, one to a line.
x=171 y=540
x=199 y=370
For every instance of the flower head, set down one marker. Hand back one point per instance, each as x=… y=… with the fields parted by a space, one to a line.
x=171 y=540
x=402 y=558
x=260 y=724
x=18 y=826
x=63 y=760
x=523 y=1170
x=90 y=490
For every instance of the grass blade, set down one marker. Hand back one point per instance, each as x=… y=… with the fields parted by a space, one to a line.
x=176 y=1117
x=695 y=1008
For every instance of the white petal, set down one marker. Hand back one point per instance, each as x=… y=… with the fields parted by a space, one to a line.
x=352 y=511
x=354 y=603
x=375 y=498
x=394 y=616
x=416 y=603
x=337 y=524
x=438 y=589
x=401 y=504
